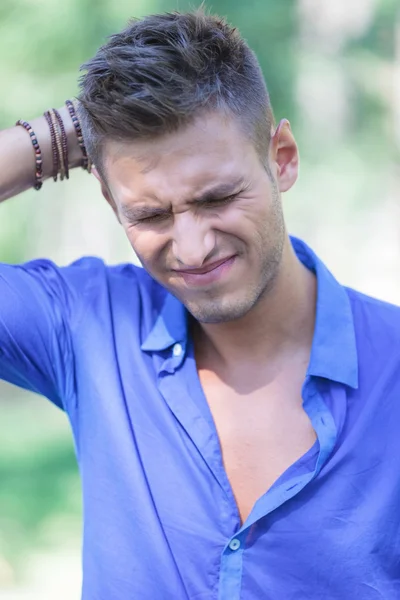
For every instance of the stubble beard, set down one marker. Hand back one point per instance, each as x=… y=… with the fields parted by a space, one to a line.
x=222 y=310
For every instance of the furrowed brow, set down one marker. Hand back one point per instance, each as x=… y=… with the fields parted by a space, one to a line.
x=135 y=213
x=220 y=191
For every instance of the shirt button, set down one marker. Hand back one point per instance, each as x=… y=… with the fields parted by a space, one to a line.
x=234 y=544
x=177 y=350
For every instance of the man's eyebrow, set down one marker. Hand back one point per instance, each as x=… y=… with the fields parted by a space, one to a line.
x=132 y=213
x=219 y=191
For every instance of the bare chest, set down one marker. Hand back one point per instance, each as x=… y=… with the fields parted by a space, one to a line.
x=261 y=434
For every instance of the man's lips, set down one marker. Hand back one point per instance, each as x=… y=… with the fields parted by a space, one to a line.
x=208 y=274
x=205 y=269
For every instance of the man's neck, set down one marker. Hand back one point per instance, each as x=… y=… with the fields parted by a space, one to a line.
x=281 y=323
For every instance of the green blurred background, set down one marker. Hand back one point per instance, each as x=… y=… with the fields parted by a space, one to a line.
x=333 y=69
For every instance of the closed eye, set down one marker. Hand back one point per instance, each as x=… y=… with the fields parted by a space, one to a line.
x=214 y=202
x=156 y=218
x=163 y=216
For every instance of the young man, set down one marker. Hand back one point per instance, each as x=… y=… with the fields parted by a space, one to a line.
x=235 y=410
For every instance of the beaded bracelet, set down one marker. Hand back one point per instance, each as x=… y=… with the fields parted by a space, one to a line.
x=58 y=144
x=64 y=141
x=86 y=161
x=54 y=149
x=38 y=154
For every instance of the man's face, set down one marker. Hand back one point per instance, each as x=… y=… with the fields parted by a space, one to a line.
x=202 y=214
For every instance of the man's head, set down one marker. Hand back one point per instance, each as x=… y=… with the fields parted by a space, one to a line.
x=177 y=119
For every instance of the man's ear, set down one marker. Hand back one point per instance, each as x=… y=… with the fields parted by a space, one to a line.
x=106 y=192
x=284 y=154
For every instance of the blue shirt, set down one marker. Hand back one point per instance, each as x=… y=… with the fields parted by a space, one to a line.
x=111 y=347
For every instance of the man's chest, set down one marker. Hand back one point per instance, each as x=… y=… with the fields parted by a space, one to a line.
x=261 y=434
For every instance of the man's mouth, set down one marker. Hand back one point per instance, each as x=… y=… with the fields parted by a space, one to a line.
x=208 y=273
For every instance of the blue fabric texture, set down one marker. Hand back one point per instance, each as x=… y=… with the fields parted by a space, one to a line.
x=111 y=347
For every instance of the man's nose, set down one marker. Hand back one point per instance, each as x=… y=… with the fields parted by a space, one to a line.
x=193 y=240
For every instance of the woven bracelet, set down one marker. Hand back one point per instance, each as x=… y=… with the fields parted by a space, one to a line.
x=59 y=146
x=38 y=154
x=54 y=149
x=64 y=141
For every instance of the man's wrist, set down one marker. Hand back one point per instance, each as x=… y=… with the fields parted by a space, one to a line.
x=41 y=128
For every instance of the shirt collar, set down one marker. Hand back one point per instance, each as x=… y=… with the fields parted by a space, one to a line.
x=334 y=349
x=169 y=328
x=333 y=352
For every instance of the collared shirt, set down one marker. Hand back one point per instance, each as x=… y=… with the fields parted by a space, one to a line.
x=111 y=347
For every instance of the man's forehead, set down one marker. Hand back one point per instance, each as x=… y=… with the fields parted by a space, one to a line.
x=176 y=172
x=212 y=134
x=124 y=151
x=179 y=183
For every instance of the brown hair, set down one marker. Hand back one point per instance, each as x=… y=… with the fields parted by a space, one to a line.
x=162 y=71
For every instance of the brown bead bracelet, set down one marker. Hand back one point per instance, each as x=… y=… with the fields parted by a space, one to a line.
x=59 y=144
x=74 y=117
x=38 y=154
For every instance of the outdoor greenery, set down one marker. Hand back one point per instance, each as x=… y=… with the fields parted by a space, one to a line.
x=38 y=475
x=332 y=68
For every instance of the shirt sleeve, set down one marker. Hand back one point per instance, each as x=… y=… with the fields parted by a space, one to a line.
x=36 y=306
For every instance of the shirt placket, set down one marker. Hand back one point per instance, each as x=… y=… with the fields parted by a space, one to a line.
x=176 y=391
x=233 y=553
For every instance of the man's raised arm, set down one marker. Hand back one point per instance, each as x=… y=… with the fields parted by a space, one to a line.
x=38 y=299
x=17 y=157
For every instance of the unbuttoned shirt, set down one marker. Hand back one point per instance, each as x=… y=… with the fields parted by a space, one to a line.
x=111 y=347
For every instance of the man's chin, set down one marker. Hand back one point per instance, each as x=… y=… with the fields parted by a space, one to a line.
x=217 y=312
